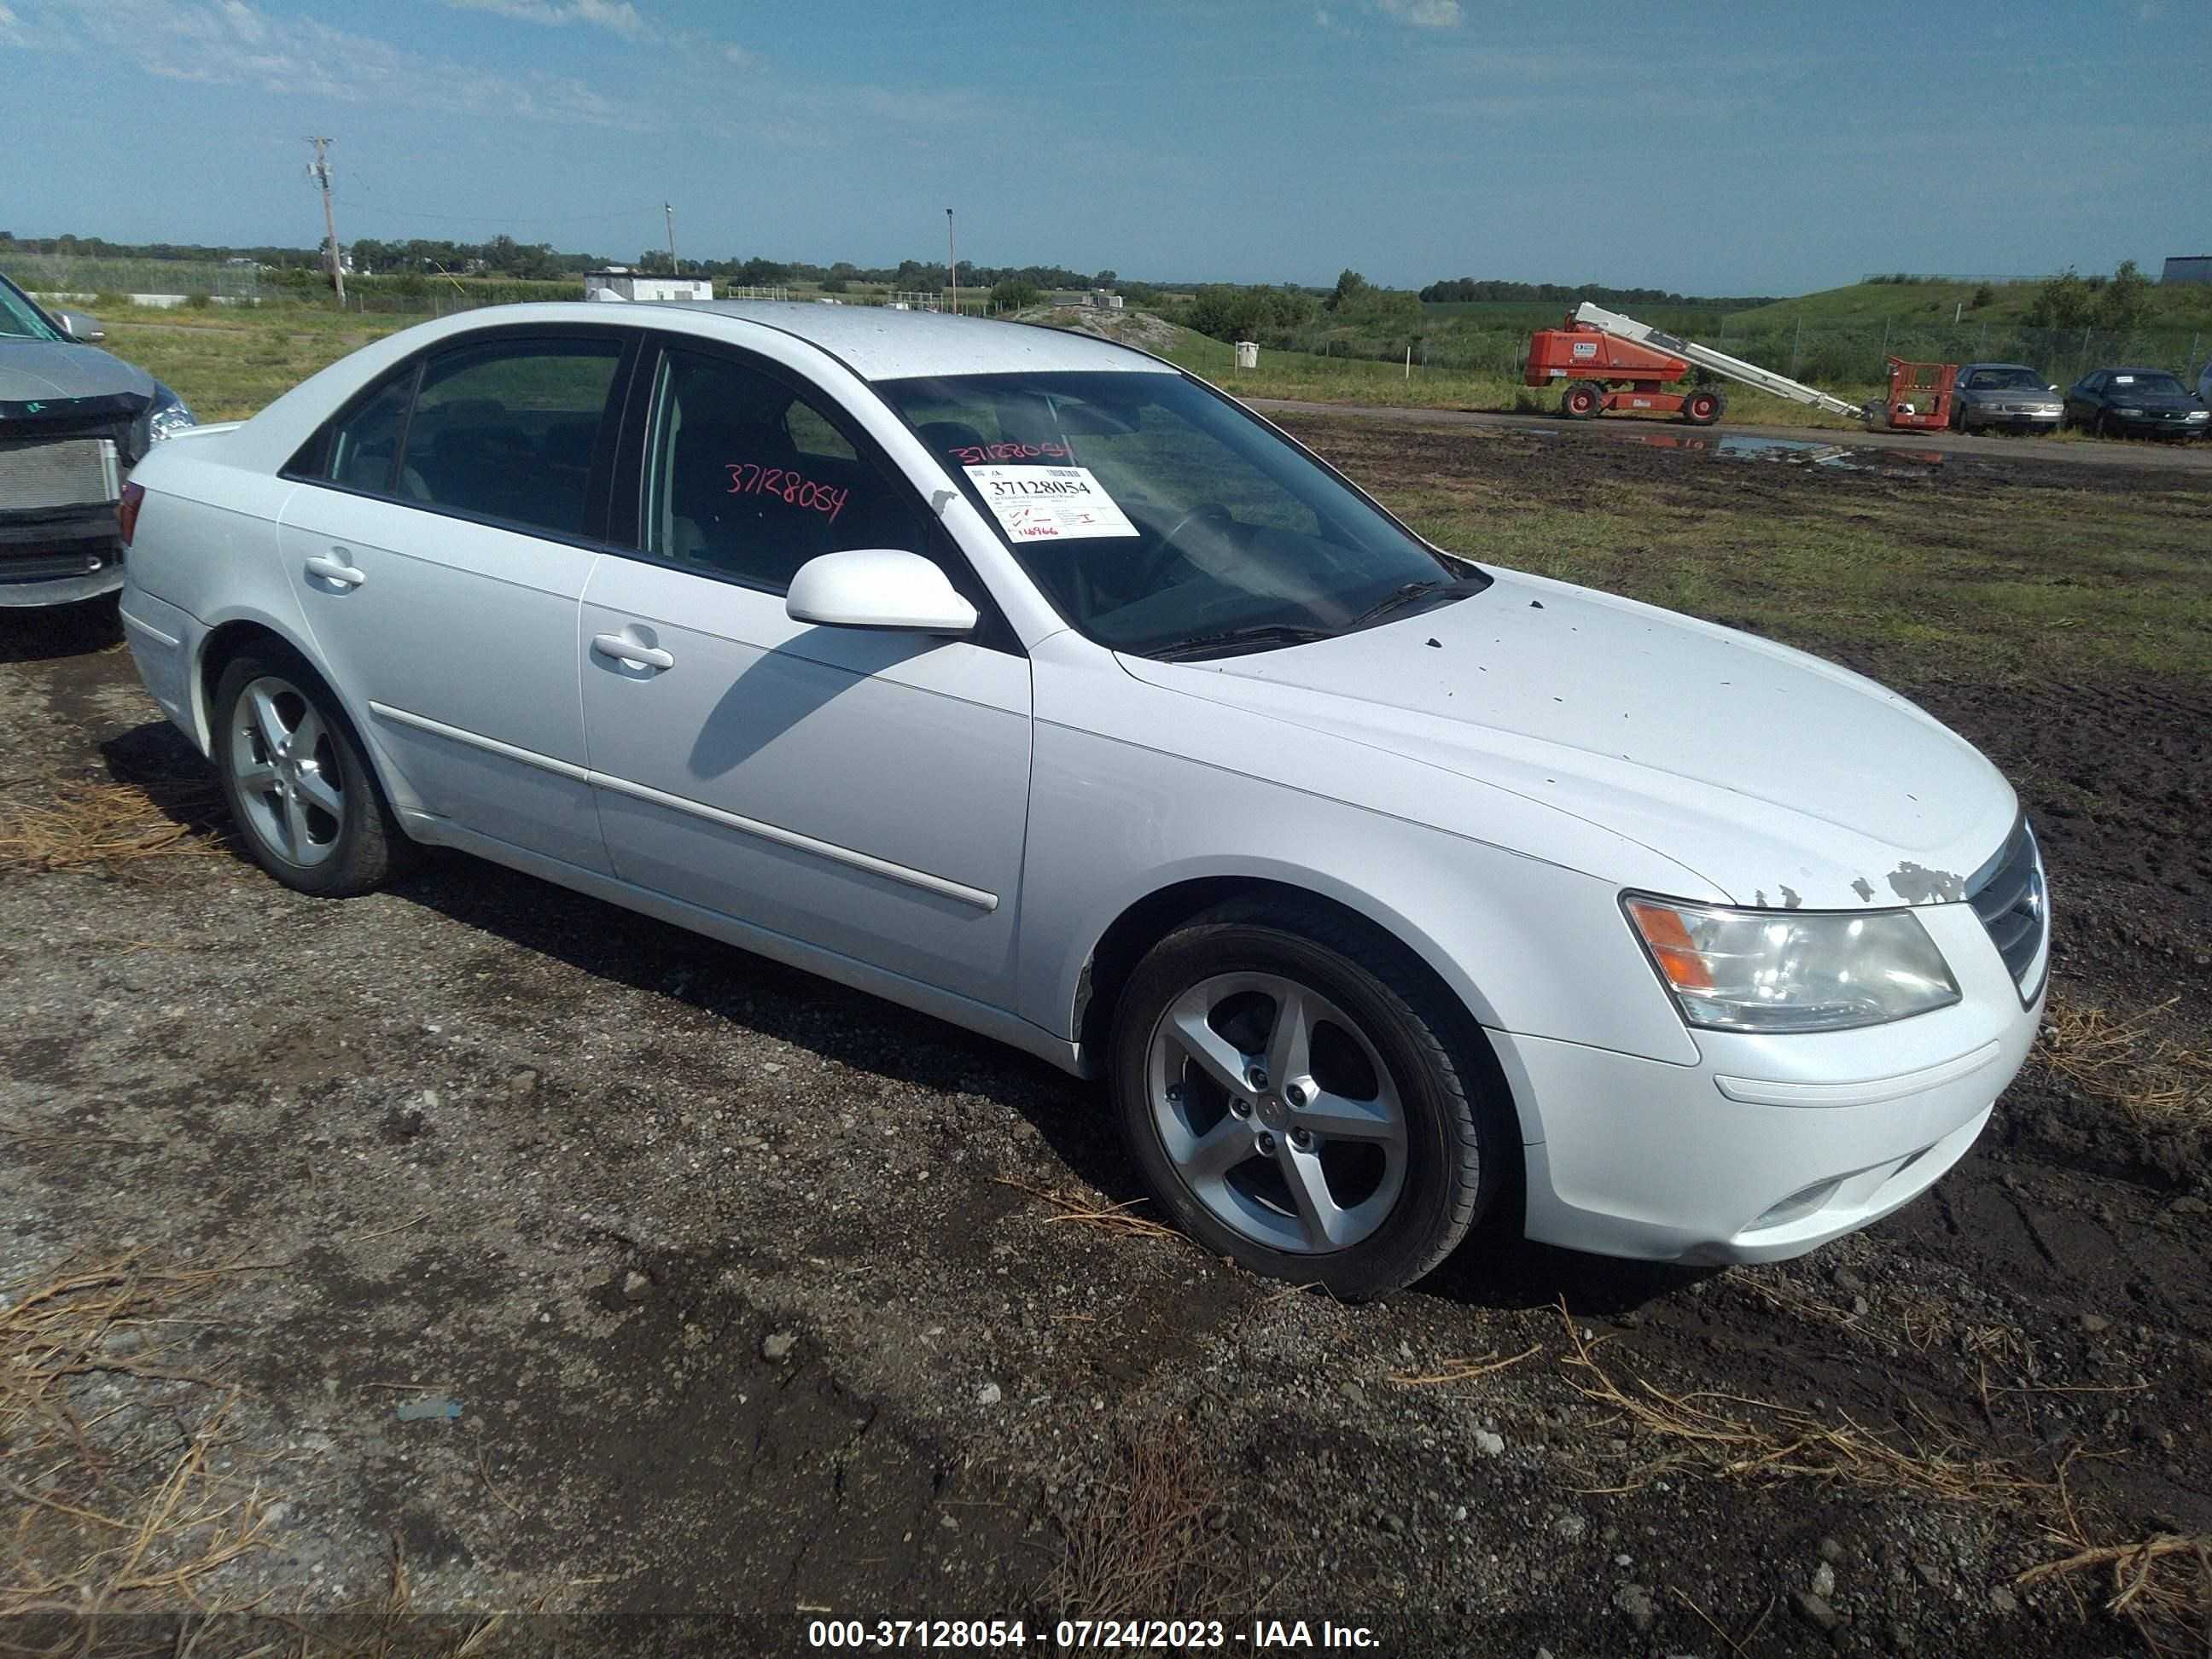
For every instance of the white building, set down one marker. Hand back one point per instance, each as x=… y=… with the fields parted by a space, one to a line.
x=621 y=284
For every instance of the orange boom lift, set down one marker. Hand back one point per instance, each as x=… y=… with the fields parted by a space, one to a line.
x=1607 y=360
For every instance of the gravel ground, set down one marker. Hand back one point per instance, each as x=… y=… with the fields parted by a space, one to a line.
x=757 y=1297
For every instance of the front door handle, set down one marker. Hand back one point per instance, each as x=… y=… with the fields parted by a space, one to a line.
x=629 y=653
x=332 y=568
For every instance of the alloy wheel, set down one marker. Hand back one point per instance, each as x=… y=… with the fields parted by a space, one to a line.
x=286 y=766
x=1277 y=1112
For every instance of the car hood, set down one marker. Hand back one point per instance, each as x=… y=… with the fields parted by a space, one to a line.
x=1779 y=778
x=32 y=371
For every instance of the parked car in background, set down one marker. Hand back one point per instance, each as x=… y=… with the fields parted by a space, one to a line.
x=2137 y=402
x=1023 y=679
x=2204 y=384
x=2010 y=396
x=74 y=421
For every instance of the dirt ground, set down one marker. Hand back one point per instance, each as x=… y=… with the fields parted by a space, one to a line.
x=761 y=1300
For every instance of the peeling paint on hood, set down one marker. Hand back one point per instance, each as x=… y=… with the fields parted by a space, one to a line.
x=1761 y=768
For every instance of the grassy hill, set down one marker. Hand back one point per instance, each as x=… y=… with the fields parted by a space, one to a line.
x=1929 y=303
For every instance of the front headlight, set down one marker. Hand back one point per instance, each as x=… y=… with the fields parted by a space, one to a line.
x=2200 y=413
x=1792 y=970
x=167 y=417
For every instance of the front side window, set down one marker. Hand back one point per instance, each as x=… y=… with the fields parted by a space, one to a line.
x=747 y=478
x=1162 y=519
x=508 y=429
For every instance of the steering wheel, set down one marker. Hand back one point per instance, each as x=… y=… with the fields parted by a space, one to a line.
x=1212 y=512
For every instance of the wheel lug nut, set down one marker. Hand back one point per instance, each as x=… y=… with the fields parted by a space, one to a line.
x=1297 y=1093
x=1242 y=1108
x=1303 y=1139
x=1266 y=1142
x=1258 y=1077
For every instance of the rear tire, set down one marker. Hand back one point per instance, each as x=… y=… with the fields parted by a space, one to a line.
x=1704 y=406
x=1362 y=1167
x=1585 y=401
x=306 y=804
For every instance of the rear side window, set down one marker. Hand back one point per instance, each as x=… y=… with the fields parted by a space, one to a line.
x=746 y=478
x=364 y=447
x=509 y=430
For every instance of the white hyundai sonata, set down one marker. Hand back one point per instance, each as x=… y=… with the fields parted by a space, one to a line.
x=1023 y=679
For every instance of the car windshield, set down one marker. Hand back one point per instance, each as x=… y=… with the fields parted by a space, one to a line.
x=1161 y=519
x=2136 y=385
x=2005 y=379
x=19 y=318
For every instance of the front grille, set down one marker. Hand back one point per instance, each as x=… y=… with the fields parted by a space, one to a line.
x=2008 y=897
x=58 y=473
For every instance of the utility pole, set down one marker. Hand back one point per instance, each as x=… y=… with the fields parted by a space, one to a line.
x=320 y=171
x=669 y=207
x=952 y=263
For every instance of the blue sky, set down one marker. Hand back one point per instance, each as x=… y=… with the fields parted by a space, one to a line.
x=1751 y=149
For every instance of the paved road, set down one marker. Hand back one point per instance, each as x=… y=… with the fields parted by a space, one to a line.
x=2194 y=456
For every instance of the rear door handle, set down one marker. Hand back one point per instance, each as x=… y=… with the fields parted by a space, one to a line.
x=332 y=568
x=629 y=651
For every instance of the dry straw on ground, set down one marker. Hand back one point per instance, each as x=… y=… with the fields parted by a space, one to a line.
x=110 y=826
x=2162 y=1585
x=2155 y=1079
x=1142 y=1547
x=126 y=1498
x=1726 y=1435
x=1082 y=1208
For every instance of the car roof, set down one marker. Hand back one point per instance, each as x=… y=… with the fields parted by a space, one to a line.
x=2030 y=367
x=879 y=344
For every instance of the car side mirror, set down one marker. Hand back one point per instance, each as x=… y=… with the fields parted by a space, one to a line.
x=880 y=587
x=85 y=330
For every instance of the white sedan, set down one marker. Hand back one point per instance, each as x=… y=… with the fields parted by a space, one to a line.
x=1022 y=679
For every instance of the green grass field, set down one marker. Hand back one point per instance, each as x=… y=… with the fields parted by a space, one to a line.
x=228 y=361
x=1976 y=579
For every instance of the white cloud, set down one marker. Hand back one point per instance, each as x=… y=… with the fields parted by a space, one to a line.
x=232 y=43
x=1423 y=13
x=620 y=15
x=12 y=32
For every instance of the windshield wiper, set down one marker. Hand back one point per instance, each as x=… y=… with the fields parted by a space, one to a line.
x=1401 y=598
x=1231 y=640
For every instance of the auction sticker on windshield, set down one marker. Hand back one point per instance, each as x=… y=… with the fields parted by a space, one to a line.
x=1049 y=503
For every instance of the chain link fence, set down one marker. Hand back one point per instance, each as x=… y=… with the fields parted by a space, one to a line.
x=1849 y=356
x=185 y=279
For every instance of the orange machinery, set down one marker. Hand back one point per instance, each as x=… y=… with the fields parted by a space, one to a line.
x=1603 y=371
x=1919 y=393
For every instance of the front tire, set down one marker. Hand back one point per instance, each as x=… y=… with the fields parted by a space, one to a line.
x=307 y=805
x=1704 y=406
x=1302 y=1098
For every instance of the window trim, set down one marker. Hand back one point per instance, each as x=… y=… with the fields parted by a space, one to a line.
x=306 y=465
x=626 y=508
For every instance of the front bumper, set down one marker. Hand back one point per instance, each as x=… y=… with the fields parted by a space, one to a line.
x=57 y=557
x=2159 y=426
x=1768 y=1146
x=1974 y=417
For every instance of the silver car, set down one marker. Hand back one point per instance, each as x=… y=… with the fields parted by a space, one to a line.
x=2011 y=397
x=1021 y=678
x=74 y=421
